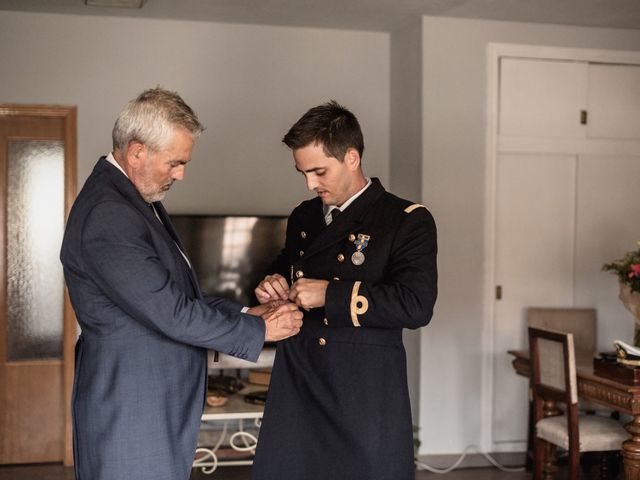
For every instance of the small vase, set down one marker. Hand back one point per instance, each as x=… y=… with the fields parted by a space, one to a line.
x=631 y=301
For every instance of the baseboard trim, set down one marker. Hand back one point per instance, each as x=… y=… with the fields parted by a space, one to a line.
x=474 y=460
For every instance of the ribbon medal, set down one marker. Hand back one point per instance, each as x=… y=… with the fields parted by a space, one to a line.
x=361 y=243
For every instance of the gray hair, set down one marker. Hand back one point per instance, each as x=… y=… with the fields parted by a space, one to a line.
x=151 y=119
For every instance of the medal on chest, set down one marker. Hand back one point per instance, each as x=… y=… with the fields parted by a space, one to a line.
x=361 y=243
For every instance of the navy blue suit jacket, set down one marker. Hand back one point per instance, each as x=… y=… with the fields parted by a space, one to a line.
x=140 y=375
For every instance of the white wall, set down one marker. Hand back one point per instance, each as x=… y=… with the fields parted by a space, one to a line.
x=248 y=84
x=406 y=156
x=453 y=392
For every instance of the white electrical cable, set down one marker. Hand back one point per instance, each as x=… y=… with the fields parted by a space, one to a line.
x=491 y=460
x=250 y=445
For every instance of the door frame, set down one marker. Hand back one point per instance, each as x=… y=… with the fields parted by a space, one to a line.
x=496 y=51
x=69 y=116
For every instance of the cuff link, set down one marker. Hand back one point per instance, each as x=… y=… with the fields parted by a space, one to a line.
x=299 y=274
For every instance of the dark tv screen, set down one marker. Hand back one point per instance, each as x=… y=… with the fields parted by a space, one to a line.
x=231 y=254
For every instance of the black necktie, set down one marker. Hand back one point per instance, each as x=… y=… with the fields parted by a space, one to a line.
x=334 y=214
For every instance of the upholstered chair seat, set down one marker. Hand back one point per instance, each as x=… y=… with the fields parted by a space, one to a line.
x=597 y=434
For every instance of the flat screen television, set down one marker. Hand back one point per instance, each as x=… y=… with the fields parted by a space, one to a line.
x=231 y=254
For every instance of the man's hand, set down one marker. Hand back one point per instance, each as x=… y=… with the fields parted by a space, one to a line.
x=273 y=287
x=309 y=293
x=266 y=308
x=282 y=322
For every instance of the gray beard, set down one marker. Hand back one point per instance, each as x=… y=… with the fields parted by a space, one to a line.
x=154 y=196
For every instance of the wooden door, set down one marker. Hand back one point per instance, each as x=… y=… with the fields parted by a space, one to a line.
x=37 y=327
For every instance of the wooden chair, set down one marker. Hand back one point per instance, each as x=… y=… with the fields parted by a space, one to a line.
x=553 y=366
x=581 y=322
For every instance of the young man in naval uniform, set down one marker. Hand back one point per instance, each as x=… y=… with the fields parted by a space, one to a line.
x=361 y=262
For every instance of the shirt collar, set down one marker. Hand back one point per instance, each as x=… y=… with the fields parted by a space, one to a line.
x=113 y=162
x=327 y=208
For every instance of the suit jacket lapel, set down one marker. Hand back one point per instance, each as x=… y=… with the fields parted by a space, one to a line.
x=166 y=221
x=162 y=225
x=347 y=222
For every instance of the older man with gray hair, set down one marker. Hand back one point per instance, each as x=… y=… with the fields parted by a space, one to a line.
x=141 y=371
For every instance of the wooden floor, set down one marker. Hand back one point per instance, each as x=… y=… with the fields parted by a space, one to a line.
x=58 y=472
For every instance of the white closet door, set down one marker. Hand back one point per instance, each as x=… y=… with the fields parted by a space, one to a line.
x=542 y=98
x=614 y=101
x=535 y=207
x=608 y=225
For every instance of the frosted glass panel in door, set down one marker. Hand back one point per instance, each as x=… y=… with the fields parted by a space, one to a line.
x=608 y=225
x=534 y=266
x=542 y=98
x=614 y=102
x=35 y=222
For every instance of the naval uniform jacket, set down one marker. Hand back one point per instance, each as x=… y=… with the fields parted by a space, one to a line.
x=141 y=371
x=338 y=402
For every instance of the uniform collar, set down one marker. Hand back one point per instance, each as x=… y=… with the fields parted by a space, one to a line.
x=326 y=209
x=348 y=221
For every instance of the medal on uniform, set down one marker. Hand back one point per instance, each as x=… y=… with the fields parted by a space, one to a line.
x=361 y=243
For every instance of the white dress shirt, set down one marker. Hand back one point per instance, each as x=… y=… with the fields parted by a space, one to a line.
x=328 y=208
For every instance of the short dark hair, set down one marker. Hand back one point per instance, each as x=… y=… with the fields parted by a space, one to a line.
x=329 y=124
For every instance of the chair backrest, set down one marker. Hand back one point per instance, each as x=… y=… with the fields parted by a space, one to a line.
x=553 y=366
x=581 y=322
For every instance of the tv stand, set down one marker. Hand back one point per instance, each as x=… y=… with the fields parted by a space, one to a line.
x=235 y=416
x=242 y=443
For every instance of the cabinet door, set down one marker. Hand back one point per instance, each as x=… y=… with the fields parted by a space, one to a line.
x=608 y=215
x=542 y=98
x=614 y=102
x=535 y=207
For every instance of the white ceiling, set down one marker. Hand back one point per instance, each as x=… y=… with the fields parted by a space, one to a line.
x=383 y=15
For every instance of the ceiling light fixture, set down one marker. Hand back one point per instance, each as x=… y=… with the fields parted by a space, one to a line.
x=115 y=3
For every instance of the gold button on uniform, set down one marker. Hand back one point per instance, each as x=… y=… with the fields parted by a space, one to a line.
x=352 y=237
x=325 y=321
x=322 y=342
x=340 y=257
x=303 y=234
x=301 y=253
x=299 y=274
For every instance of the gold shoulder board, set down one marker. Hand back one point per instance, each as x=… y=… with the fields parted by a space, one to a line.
x=413 y=207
